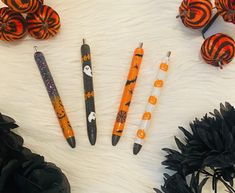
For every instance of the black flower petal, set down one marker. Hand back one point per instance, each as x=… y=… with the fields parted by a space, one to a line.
x=175 y=184
x=6 y=123
x=22 y=171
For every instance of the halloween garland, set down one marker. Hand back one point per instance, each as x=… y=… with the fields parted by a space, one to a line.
x=208 y=151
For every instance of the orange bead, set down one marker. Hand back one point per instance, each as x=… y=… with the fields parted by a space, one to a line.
x=164 y=67
x=141 y=134
x=152 y=100
x=147 y=116
x=158 y=83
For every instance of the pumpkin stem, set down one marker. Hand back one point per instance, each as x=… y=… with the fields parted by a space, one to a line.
x=3 y=26
x=231 y=11
x=45 y=27
x=218 y=64
x=183 y=14
x=212 y=21
x=35 y=48
x=221 y=67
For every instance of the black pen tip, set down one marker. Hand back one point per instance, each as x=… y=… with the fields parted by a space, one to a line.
x=92 y=140
x=115 y=139
x=136 y=149
x=71 y=141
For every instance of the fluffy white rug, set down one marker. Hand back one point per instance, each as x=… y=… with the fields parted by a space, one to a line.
x=113 y=29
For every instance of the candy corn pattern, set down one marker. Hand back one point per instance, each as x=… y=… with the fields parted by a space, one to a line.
x=152 y=102
x=127 y=95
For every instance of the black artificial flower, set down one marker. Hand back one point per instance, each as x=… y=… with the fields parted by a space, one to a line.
x=22 y=171
x=211 y=143
x=38 y=176
x=10 y=143
x=177 y=184
x=208 y=149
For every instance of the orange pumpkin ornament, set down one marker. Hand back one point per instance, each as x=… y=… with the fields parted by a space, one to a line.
x=195 y=13
x=226 y=8
x=218 y=50
x=44 y=23
x=23 y=6
x=12 y=25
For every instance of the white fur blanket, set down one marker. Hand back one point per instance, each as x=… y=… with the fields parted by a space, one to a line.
x=113 y=29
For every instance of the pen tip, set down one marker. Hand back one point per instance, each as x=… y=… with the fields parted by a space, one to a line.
x=136 y=149
x=84 y=41
x=35 y=48
x=115 y=140
x=71 y=141
x=169 y=54
x=141 y=44
x=92 y=139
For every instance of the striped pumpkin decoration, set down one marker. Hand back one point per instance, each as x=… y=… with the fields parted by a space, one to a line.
x=195 y=13
x=226 y=8
x=44 y=23
x=12 y=25
x=23 y=6
x=218 y=50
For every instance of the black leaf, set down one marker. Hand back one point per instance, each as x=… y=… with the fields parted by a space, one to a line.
x=179 y=144
x=157 y=190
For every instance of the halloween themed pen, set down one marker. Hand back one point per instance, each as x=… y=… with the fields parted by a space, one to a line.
x=152 y=101
x=127 y=94
x=55 y=98
x=89 y=93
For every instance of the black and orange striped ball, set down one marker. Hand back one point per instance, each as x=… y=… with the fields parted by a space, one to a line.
x=195 y=13
x=226 y=8
x=12 y=25
x=23 y=6
x=44 y=23
x=218 y=50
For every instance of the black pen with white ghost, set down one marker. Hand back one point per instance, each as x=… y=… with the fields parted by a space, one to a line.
x=89 y=93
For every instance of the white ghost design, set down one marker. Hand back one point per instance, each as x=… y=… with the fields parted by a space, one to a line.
x=87 y=71
x=91 y=117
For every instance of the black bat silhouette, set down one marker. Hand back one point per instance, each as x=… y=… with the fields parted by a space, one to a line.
x=128 y=82
x=140 y=55
x=136 y=66
x=128 y=104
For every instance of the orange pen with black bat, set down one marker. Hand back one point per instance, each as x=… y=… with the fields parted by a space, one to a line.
x=127 y=95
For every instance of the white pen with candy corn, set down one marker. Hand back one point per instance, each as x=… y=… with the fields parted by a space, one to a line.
x=152 y=102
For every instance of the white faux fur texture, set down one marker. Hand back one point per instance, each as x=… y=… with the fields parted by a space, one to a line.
x=113 y=29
